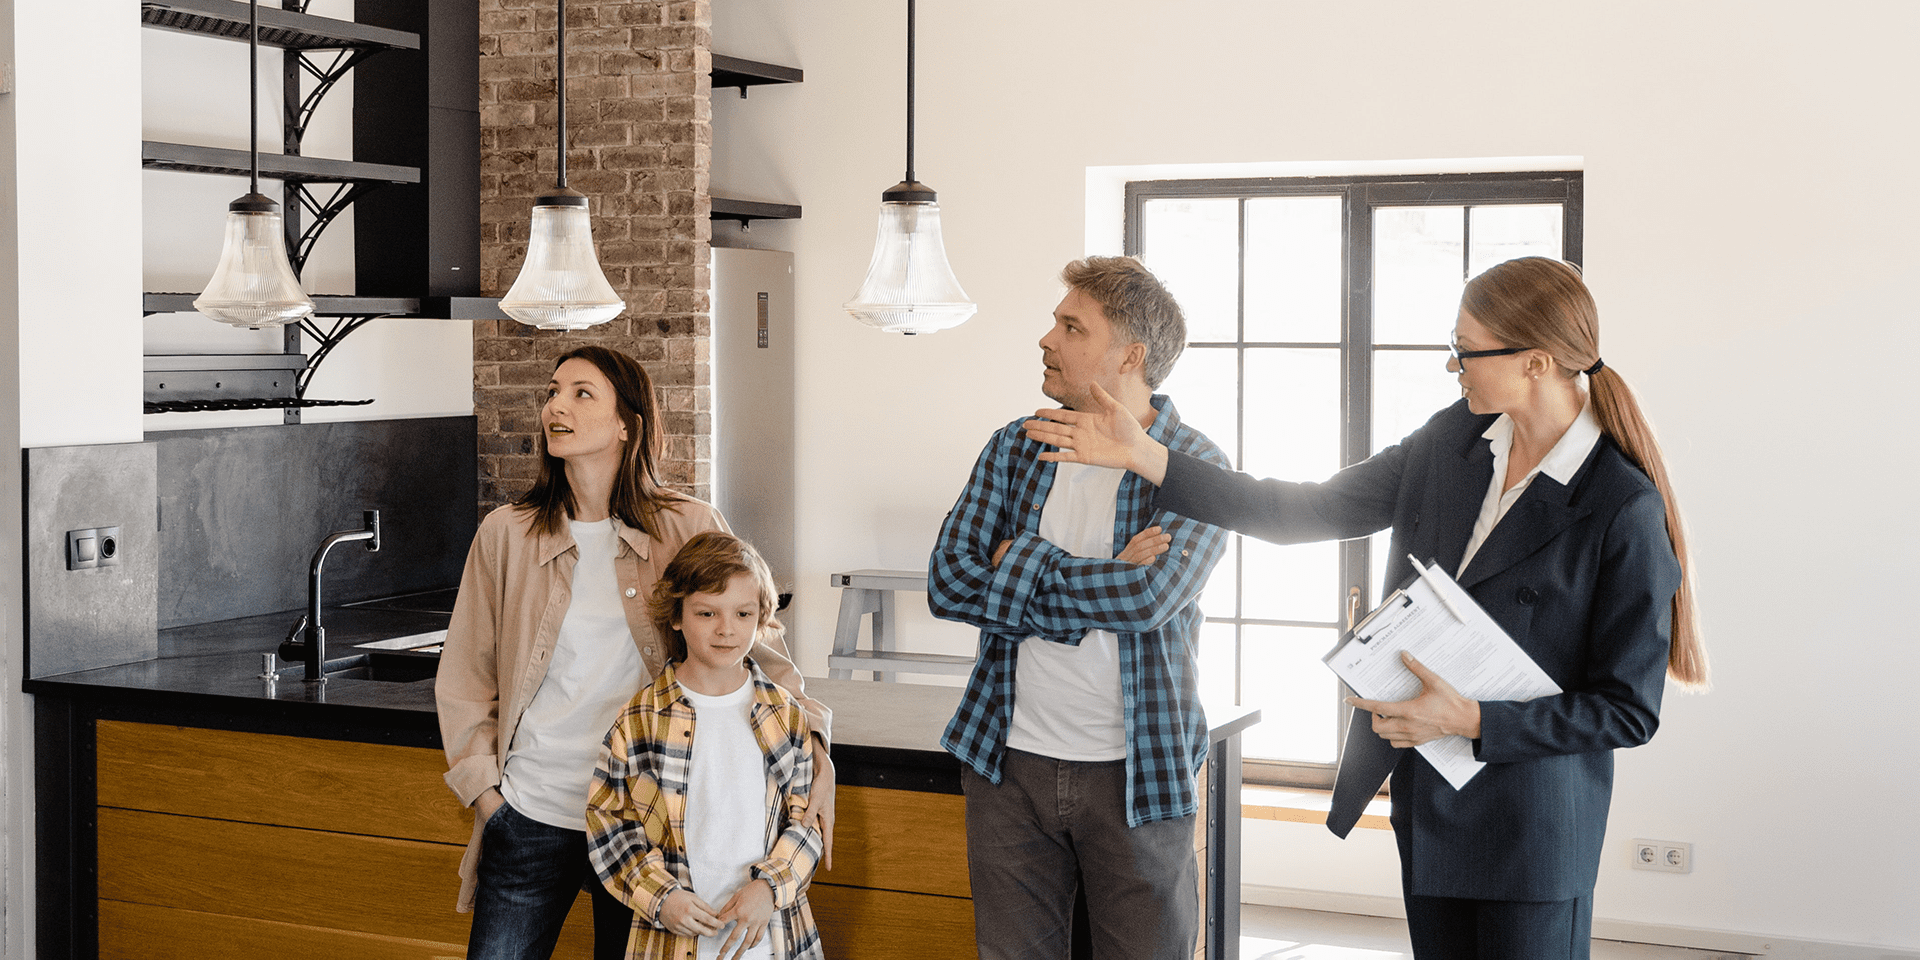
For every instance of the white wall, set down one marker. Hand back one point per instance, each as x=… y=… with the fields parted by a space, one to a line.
x=1748 y=235
x=69 y=297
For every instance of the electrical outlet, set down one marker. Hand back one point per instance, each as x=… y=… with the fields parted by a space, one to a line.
x=1669 y=856
x=93 y=547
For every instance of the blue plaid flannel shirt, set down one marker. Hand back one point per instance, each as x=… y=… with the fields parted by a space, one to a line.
x=1039 y=590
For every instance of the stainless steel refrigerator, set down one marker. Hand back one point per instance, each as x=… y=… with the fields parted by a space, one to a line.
x=753 y=350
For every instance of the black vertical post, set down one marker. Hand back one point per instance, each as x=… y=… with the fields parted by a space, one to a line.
x=289 y=191
x=910 y=5
x=560 y=95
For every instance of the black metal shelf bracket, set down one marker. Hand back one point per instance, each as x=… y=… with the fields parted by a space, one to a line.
x=321 y=213
x=738 y=72
x=747 y=211
x=325 y=341
x=324 y=76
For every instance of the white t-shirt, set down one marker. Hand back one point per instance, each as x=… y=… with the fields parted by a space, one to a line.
x=1066 y=699
x=726 y=805
x=595 y=671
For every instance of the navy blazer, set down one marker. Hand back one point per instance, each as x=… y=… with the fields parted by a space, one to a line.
x=1581 y=575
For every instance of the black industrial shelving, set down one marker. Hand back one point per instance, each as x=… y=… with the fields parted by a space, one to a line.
x=741 y=73
x=317 y=190
x=287 y=29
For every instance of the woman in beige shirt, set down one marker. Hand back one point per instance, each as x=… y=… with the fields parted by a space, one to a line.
x=550 y=637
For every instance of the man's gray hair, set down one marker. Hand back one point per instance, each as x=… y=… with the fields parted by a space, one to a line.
x=1137 y=305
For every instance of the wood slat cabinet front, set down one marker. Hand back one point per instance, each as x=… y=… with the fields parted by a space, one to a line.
x=215 y=844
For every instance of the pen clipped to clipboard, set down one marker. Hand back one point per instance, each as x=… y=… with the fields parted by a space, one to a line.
x=1434 y=619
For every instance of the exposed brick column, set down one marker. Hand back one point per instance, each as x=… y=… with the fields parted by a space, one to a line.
x=640 y=146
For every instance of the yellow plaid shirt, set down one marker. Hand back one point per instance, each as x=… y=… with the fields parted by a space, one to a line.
x=636 y=815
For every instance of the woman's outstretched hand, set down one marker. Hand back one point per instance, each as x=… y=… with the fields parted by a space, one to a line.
x=1106 y=436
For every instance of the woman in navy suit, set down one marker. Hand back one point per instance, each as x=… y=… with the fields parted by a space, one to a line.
x=1544 y=493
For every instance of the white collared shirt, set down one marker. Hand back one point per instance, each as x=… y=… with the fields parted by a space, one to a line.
x=1560 y=463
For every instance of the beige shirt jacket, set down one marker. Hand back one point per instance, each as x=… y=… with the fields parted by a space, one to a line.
x=514 y=593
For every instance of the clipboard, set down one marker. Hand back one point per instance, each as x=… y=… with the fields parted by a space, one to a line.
x=1435 y=619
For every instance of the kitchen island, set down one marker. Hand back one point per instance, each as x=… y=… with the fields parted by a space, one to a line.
x=190 y=808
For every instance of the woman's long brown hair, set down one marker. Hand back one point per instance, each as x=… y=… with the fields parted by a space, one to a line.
x=637 y=496
x=1543 y=303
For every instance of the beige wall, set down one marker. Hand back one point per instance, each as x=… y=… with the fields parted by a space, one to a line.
x=1749 y=237
x=1748 y=234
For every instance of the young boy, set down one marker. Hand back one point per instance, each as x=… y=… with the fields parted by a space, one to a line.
x=698 y=833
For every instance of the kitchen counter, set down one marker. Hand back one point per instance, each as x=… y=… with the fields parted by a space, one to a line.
x=205 y=685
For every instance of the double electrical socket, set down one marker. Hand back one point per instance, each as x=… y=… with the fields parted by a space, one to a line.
x=1670 y=856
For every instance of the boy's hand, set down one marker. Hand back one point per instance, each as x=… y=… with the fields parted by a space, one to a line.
x=749 y=911
x=689 y=916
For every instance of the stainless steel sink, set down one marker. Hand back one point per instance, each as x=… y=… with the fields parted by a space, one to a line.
x=397 y=666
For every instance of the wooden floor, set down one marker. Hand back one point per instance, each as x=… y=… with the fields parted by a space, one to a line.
x=1281 y=933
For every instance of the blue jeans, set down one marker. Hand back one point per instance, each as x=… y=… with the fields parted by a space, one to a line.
x=530 y=874
x=1050 y=824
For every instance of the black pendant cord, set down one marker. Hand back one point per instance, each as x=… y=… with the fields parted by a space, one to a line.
x=910 y=4
x=561 y=148
x=253 y=92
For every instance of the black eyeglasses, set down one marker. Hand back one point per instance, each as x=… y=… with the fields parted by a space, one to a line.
x=1460 y=355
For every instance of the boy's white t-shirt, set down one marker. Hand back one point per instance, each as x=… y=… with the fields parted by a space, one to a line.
x=1066 y=699
x=726 y=805
x=595 y=671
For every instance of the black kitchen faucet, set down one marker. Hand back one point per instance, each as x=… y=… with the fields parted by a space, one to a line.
x=312 y=645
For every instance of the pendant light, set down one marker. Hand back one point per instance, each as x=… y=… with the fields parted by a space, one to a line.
x=254 y=286
x=909 y=287
x=561 y=286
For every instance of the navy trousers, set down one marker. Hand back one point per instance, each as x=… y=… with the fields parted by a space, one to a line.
x=1454 y=928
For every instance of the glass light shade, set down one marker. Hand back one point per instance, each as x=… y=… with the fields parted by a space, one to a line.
x=561 y=286
x=254 y=286
x=909 y=286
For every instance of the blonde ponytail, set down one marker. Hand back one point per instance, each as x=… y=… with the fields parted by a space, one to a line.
x=1543 y=303
x=1619 y=415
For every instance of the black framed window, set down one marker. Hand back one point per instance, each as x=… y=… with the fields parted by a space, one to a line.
x=1319 y=310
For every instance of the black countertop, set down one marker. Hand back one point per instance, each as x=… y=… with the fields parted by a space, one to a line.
x=210 y=674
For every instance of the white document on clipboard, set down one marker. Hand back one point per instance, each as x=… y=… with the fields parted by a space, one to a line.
x=1434 y=619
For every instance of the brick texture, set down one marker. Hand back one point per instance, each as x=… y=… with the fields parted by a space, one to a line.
x=640 y=146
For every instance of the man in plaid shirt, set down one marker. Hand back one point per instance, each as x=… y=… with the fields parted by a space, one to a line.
x=1081 y=727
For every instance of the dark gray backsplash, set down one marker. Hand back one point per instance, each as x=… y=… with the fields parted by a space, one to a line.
x=102 y=615
x=242 y=510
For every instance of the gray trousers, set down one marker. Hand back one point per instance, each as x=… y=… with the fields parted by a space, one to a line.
x=1049 y=827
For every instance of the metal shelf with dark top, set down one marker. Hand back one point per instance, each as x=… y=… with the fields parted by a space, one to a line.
x=220 y=161
x=747 y=211
x=287 y=29
x=742 y=73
